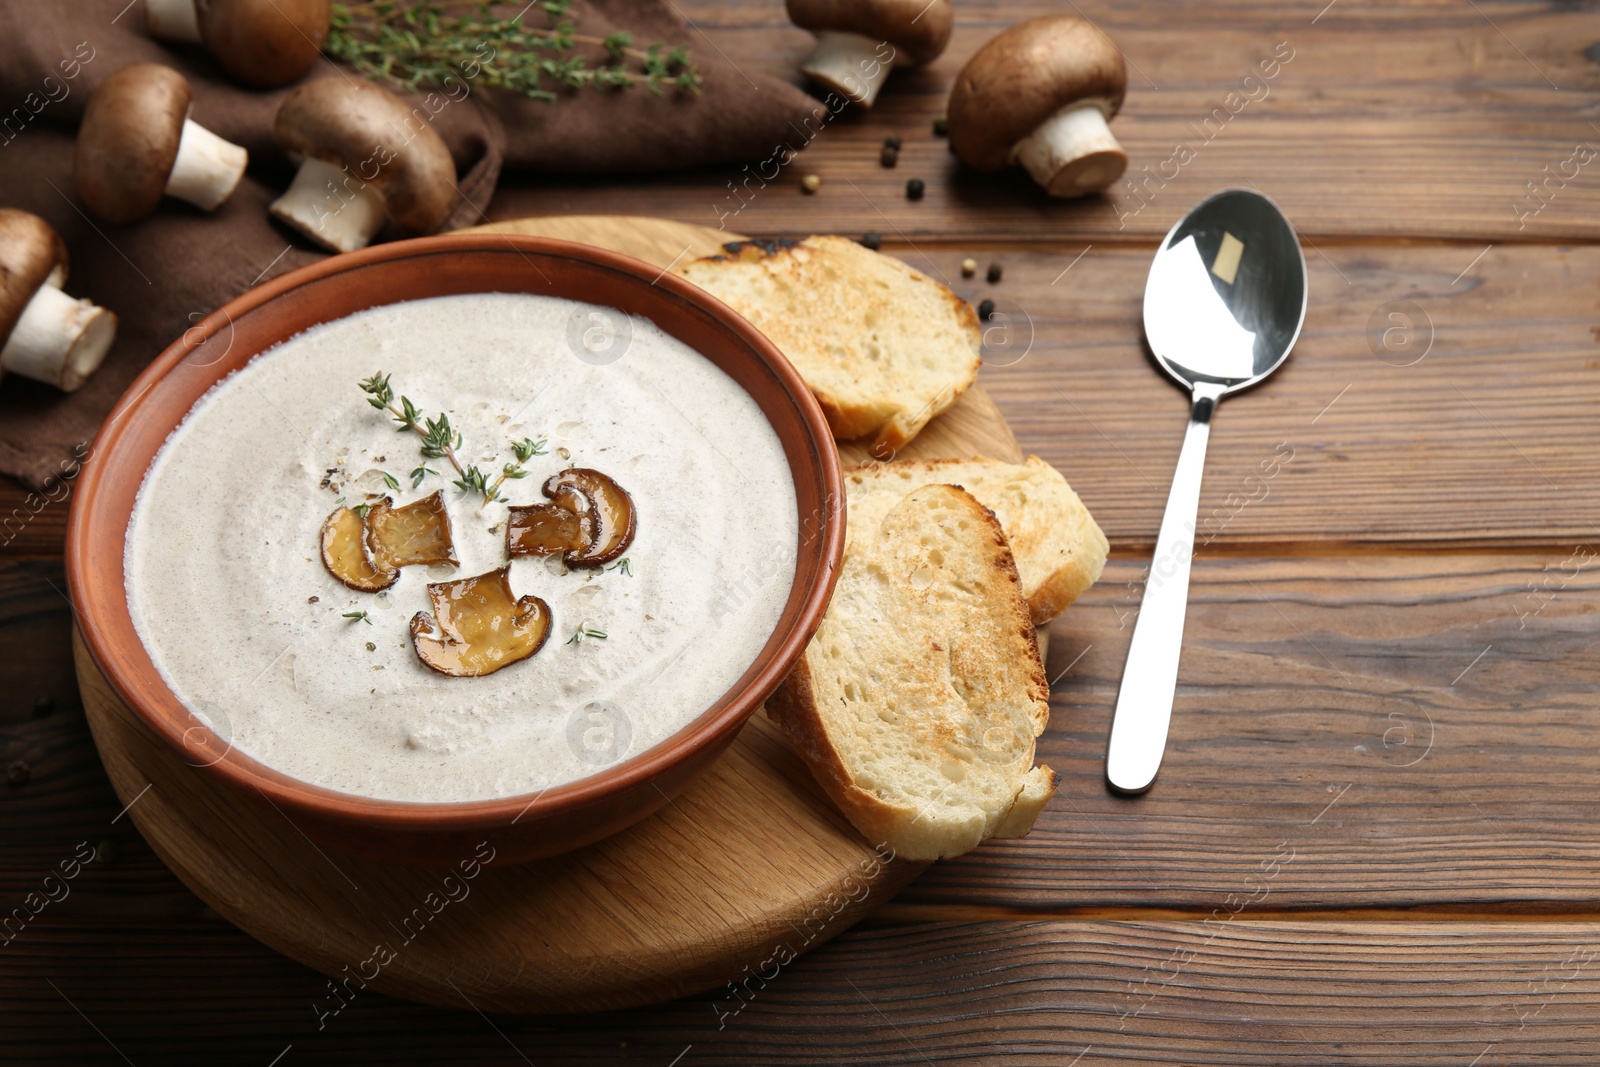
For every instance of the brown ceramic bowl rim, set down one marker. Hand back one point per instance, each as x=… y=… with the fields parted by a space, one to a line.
x=104 y=619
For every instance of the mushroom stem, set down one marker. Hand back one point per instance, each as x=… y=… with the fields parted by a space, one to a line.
x=1073 y=153
x=851 y=64
x=331 y=206
x=207 y=168
x=58 y=339
x=173 y=20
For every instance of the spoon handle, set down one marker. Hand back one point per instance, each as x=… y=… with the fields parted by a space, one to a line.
x=1150 y=678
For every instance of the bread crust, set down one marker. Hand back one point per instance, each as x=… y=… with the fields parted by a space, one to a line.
x=1053 y=583
x=798 y=708
x=793 y=706
x=815 y=299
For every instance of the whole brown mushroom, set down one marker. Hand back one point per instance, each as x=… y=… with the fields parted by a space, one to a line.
x=44 y=333
x=365 y=158
x=1041 y=94
x=860 y=41
x=137 y=143
x=262 y=43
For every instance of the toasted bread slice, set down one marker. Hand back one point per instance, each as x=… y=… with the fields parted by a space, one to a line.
x=1059 y=549
x=883 y=347
x=917 y=702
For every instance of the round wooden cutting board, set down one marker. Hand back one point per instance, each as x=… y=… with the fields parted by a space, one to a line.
x=747 y=867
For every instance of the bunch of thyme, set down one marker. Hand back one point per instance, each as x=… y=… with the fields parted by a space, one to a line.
x=413 y=44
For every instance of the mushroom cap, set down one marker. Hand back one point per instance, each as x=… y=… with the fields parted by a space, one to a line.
x=1019 y=79
x=31 y=252
x=917 y=29
x=590 y=520
x=371 y=131
x=128 y=141
x=265 y=43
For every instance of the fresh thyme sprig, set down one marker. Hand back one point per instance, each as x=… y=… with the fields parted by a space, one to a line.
x=584 y=630
x=439 y=441
x=412 y=43
x=622 y=565
x=524 y=450
x=357 y=616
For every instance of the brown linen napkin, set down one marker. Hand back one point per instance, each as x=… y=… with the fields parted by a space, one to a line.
x=164 y=274
x=739 y=116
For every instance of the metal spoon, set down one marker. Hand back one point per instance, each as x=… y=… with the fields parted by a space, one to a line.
x=1222 y=308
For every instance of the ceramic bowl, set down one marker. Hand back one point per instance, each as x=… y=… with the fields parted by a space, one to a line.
x=518 y=827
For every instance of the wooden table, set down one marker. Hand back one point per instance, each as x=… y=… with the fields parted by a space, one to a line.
x=1376 y=839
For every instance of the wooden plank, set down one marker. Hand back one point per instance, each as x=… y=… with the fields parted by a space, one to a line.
x=31 y=523
x=1419 y=731
x=1388 y=731
x=64 y=803
x=1487 y=441
x=1237 y=992
x=1439 y=393
x=1415 y=119
x=1495 y=813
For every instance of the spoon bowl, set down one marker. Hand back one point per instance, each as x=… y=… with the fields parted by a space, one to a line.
x=1223 y=307
x=1226 y=295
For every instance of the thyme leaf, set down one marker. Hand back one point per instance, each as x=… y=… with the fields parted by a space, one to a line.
x=527 y=448
x=474 y=480
x=583 y=631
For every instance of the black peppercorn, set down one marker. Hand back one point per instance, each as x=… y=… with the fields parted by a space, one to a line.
x=941 y=126
x=889 y=156
x=892 y=141
x=915 y=189
x=873 y=241
x=995 y=271
x=986 y=310
x=18 y=773
x=43 y=704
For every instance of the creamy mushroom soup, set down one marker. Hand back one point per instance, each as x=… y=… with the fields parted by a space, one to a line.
x=229 y=592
